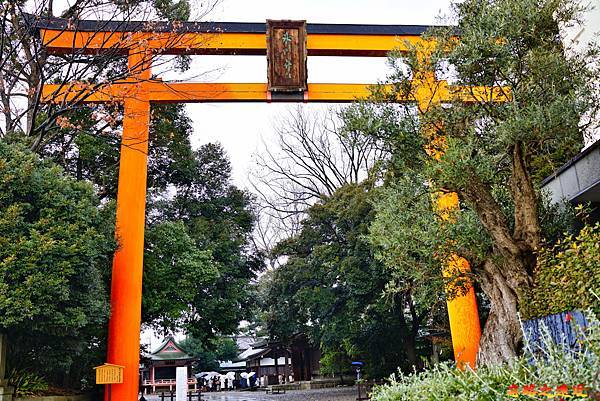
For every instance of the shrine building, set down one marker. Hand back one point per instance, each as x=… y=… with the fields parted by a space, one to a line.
x=158 y=371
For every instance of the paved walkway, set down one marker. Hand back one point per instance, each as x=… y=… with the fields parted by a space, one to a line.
x=326 y=394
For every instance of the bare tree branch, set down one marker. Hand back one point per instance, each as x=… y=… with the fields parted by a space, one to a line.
x=313 y=156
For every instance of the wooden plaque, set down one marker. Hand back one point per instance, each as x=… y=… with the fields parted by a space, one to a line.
x=109 y=374
x=286 y=55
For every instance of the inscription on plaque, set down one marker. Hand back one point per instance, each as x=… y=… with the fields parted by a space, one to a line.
x=109 y=374
x=286 y=55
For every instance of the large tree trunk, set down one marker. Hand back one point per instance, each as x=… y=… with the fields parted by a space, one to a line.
x=410 y=349
x=508 y=272
x=502 y=336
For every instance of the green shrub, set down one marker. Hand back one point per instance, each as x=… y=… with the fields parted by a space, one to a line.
x=567 y=276
x=554 y=367
x=26 y=383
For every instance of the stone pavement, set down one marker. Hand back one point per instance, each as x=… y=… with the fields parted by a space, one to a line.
x=326 y=394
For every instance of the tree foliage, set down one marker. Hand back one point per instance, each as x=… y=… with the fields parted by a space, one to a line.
x=218 y=219
x=55 y=249
x=332 y=288
x=556 y=373
x=492 y=154
x=198 y=256
x=567 y=275
x=174 y=270
x=197 y=266
x=210 y=353
x=314 y=155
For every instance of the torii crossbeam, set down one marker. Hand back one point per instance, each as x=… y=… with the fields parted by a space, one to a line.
x=142 y=41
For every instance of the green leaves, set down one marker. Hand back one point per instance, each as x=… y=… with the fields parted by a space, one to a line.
x=174 y=270
x=553 y=367
x=55 y=248
x=517 y=43
x=210 y=352
x=197 y=261
x=567 y=276
x=26 y=383
x=51 y=238
x=331 y=287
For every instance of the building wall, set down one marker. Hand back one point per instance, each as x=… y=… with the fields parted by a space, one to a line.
x=305 y=361
x=164 y=372
x=579 y=37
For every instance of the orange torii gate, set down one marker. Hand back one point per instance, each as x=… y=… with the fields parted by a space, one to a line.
x=286 y=44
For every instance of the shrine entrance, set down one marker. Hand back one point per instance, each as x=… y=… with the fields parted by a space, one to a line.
x=286 y=44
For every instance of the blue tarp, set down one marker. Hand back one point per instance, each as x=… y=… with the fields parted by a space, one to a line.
x=561 y=327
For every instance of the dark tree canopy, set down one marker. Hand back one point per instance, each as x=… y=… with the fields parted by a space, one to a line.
x=198 y=258
x=209 y=222
x=209 y=353
x=332 y=288
x=55 y=250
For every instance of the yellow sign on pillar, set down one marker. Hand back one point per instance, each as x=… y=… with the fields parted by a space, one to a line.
x=109 y=374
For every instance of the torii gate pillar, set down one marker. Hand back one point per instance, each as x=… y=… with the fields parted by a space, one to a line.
x=126 y=283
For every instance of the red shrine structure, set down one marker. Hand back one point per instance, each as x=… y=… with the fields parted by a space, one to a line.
x=159 y=371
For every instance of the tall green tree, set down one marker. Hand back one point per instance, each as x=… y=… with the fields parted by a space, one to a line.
x=85 y=141
x=494 y=155
x=332 y=288
x=55 y=248
x=219 y=218
x=198 y=257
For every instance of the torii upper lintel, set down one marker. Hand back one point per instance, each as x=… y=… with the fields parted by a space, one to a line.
x=228 y=38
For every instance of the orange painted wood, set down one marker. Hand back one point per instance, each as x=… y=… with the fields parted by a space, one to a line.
x=198 y=92
x=59 y=41
x=465 y=327
x=358 y=45
x=126 y=284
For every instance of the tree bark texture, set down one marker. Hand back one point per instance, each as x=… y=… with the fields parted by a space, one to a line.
x=508 y=272
x=502 y=336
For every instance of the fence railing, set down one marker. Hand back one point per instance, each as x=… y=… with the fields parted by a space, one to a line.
x=166 y=382
x=191 y=396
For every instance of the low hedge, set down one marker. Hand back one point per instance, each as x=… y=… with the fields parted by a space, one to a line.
x=534 y=376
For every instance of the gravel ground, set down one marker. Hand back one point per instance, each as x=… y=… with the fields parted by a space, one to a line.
x=326 y=394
